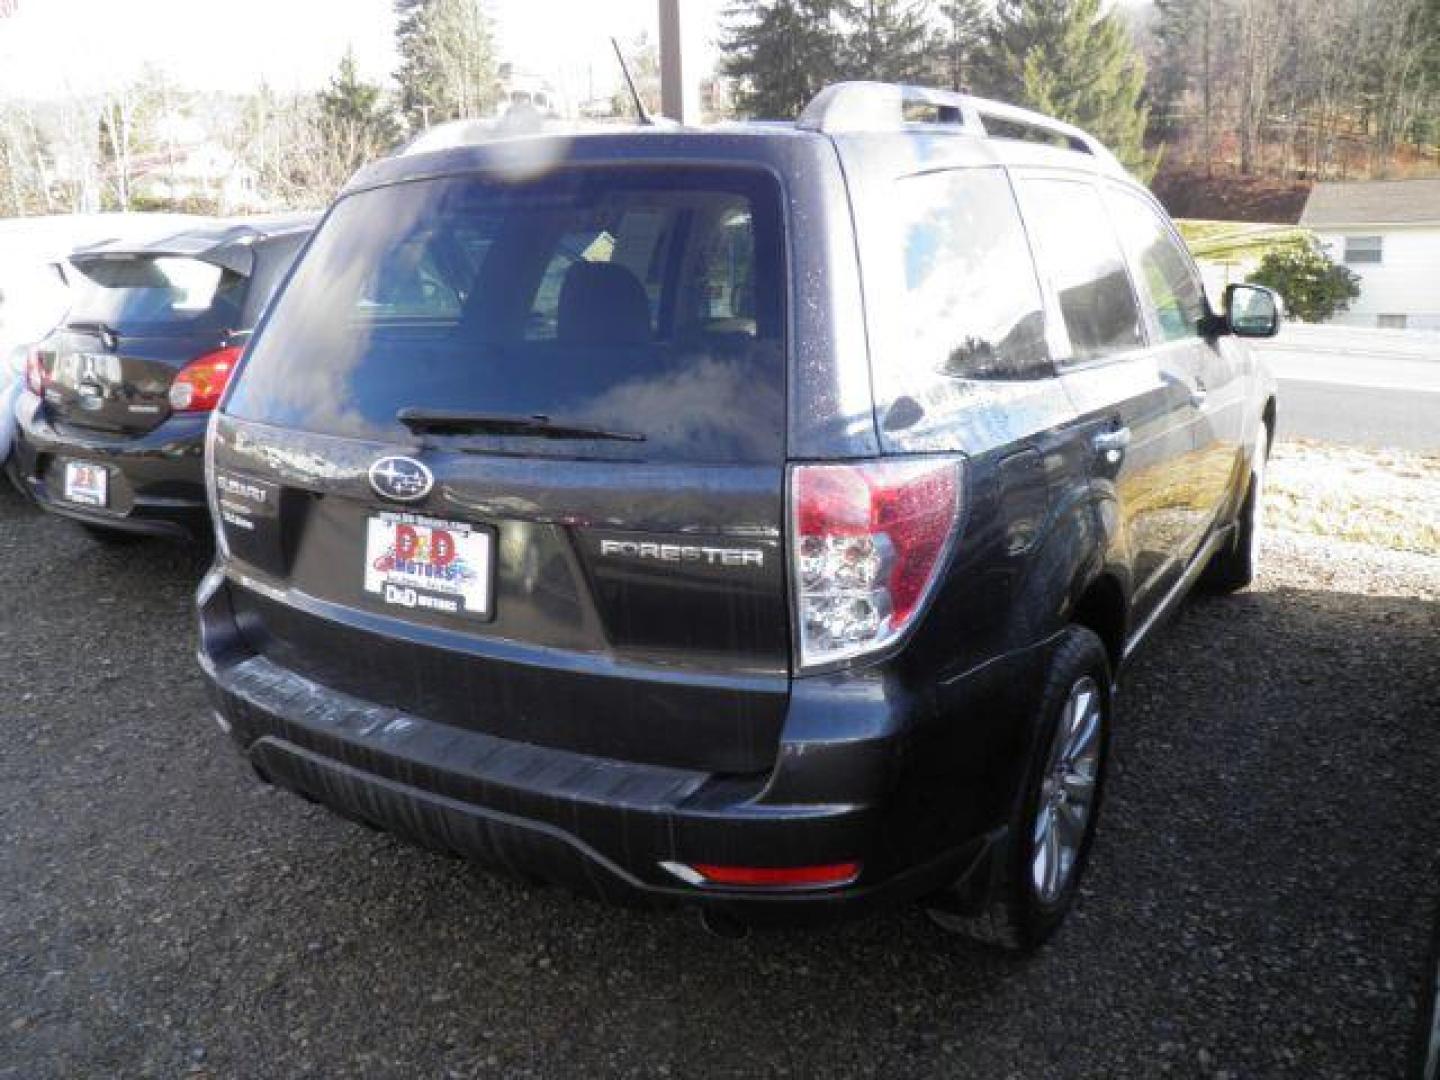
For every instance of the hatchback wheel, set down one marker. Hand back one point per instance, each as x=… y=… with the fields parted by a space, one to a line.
x=1054 y=818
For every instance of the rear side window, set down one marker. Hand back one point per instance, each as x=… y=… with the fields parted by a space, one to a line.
x=272 y=261
x=1080 y=256
x=1173 y=289
x=142 y=293
x=971 y=305
x=642 y=300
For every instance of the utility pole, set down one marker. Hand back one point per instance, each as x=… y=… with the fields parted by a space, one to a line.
x=679 y=63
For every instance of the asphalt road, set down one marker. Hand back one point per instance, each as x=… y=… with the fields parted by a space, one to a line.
x=1361 y=388
x=1359 y=416
x=1258 y=905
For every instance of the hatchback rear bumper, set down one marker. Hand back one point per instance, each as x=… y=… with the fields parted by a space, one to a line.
x=851 y=786
x=598 y=827
x=156 y=480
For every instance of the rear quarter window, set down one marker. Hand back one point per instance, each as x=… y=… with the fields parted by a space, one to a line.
x=971 y=305
x=959 y=354
x=273 y=259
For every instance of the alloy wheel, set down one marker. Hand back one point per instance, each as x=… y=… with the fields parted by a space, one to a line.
x=1067 y=791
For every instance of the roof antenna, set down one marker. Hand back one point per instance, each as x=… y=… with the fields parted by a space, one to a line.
x=640 y=112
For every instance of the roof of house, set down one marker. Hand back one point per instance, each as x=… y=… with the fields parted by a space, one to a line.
x=1373 y=202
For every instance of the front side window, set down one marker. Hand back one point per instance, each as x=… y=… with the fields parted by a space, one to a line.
x=648 y=301
x=1080 y=256
x=1364 y=249
x=1172 y=288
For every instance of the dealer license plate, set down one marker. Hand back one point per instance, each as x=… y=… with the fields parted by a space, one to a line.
x=426 y=564
x=86 y=484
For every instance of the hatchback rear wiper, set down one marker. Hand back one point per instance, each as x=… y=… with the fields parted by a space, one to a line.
x=459 y=422
x=94 y=326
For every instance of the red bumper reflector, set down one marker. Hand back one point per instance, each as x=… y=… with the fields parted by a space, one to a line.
x=779 y=876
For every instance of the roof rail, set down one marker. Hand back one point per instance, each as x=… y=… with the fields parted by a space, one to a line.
x=878 y=106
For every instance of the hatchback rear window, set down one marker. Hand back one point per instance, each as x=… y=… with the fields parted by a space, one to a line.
x=156 y=293
x=648 y=301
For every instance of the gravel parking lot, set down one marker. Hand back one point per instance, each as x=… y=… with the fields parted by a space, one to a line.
x=1258 y=906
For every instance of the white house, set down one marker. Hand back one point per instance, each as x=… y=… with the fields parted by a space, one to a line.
x=1388 y=232
x=205 y=171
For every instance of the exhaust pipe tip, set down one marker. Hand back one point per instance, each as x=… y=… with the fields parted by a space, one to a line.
x=720 y=925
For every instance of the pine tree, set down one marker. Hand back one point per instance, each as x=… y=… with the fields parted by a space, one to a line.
x=782 y=52
x=1176 y=22
x=1071 y=60
x=447 y=60
x=355 y=124
x=965 y=23
x=887 y=40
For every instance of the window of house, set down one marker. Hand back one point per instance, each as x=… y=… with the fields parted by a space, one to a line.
x=1364 y=249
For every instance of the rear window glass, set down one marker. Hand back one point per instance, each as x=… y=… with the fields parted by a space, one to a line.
x=646 y=301
x=157 y=293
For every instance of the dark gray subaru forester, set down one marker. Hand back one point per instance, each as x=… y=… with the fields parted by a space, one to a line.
x=752 y=518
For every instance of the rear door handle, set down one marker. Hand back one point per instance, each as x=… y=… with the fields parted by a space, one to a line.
x=1198 y=394
x=1112 y=444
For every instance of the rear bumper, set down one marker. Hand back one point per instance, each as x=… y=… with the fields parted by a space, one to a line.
x=156 y=480
x=855 y=780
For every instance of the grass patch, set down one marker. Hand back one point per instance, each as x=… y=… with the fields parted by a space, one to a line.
x=1237 y=242
x=1387 y=498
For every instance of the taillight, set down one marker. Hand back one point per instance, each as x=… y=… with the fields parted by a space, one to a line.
x=35 y=374
x=867 y=542
x=199 y=384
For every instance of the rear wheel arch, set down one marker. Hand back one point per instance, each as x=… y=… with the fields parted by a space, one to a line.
x=1100 y=606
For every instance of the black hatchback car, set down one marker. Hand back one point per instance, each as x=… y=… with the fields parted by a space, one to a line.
x=751 y=518
x=111 y=425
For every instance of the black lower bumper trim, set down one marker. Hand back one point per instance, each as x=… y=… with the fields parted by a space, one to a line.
x=527 y=849
x=539 y=852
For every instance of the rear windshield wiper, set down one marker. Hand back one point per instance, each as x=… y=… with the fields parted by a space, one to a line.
x=94 y=326
x=458 y=422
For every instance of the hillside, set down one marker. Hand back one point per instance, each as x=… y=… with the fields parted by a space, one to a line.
x=1187 y=192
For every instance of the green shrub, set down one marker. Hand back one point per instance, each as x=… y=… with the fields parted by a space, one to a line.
x=1314 y=286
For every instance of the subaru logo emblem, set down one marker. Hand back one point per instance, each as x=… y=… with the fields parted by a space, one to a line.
x=401 y=478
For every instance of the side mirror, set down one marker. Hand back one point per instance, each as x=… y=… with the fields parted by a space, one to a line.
x=1252 y=311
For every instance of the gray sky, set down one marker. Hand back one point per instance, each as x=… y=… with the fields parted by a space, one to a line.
x=52 y=47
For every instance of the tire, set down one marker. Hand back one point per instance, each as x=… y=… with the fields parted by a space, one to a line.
x=1235 y=566
x=1426 y=1052
x=1027 y=900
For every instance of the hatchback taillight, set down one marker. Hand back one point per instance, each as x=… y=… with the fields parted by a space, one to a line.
x=35 y=374
x=199 y=384
x=867 y=543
